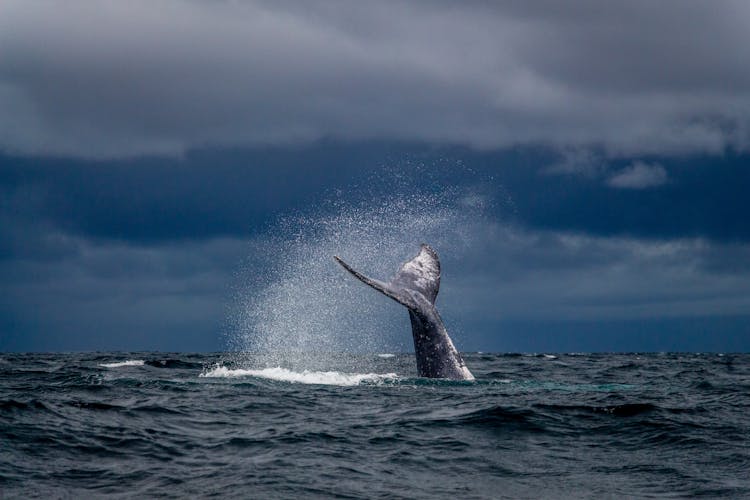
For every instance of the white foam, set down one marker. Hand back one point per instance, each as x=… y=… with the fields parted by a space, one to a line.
x=386 y=355
x=304 y=377
x=550 y=356
x=118 y=364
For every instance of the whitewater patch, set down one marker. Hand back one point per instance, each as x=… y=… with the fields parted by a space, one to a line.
x=118 y=364
x=303 y=377
x=386 y=355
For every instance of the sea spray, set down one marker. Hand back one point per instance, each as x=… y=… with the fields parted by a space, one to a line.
x=298 y=301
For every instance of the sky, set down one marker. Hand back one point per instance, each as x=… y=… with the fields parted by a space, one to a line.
x=168 y=172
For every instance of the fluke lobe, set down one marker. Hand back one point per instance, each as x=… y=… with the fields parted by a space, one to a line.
x=416 y=286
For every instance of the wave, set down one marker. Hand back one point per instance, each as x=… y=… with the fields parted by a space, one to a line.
x=623 y=410
x=173 y=363
x=386 y=355
x=12 y=404
x=303 y=377
x=118 y=364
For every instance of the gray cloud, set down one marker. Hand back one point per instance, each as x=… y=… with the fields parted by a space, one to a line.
x=119 y=296
x=639 y=175
x=64 y=287
x=127 y=78
x=550 y=275
x=113 y=295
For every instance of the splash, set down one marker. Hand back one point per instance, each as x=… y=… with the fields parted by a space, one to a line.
x=303 y=377
x=299 y=301
x=119 y=364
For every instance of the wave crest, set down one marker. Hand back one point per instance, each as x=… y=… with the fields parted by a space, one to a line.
x=118 y=364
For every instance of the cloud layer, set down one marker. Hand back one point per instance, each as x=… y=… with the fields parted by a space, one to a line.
x=147 y=254
x=108 y=79
x=118 y=295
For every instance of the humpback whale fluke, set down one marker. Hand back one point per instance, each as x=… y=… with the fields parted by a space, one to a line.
x=416 y=286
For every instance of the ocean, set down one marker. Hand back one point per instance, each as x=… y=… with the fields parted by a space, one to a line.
x=364 y=426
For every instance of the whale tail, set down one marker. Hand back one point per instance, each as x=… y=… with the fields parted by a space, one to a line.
x=421 y=275
x=416 y=286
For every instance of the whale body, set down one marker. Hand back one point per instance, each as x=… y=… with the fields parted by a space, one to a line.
x=416 y=286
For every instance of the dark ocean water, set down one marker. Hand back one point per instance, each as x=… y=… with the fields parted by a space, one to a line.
x=81 y=425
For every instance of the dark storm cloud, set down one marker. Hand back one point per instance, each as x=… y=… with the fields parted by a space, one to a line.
x=120 y=296
x=199 y=196
x=696 y=197
x=239 y=193
x=536 y=291
x=126 y=78
x=521 y=274
x=510 y=281
x=146 y=253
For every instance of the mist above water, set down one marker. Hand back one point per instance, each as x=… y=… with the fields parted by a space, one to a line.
x=301 y=301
